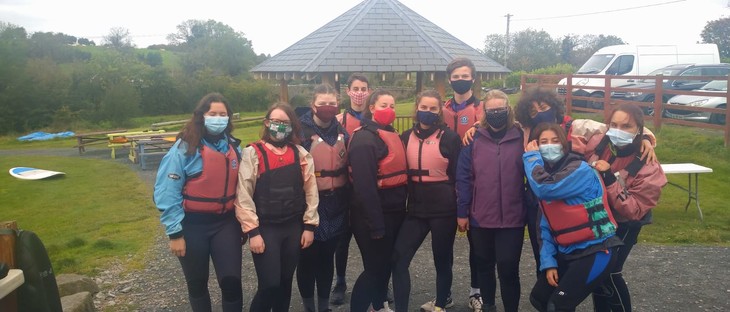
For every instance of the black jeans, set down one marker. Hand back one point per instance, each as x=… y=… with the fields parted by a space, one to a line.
x=501 y=248
x=216 y=237
x=371 y=286
x=410 y=237
x=276 y=265
x=316 y=266
x=613 y=294
x=576 y=280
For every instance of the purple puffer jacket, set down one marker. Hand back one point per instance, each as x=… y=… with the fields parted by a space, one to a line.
x=490 y=181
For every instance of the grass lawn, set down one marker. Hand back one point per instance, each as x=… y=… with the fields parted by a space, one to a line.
x=101 y=211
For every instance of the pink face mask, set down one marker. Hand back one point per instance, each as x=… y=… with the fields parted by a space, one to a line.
x=358 y=97
x=384 y=116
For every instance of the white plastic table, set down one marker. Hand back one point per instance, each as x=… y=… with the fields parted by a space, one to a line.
x=14 y=279
x=692 y=188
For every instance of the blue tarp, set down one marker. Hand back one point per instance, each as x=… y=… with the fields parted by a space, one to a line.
x=43 y=136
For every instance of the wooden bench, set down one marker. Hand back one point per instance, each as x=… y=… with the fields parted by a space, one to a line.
x=91 y=138
x=151 y=151
x=692 y=189
x=118 y=140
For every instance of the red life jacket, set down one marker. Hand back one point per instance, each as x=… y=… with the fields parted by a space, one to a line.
x=349 y=122
x=425 y=162
x=392 y=168
x=214 y=190
x=463 y=120
x=330 y=163
x=578 y=223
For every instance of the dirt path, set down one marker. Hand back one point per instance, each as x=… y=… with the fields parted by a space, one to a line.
x=661 y=278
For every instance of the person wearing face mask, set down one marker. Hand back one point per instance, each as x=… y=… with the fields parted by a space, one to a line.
x=277 y=205
x=432 y=150
x=358 y=89
x=377 y=162
x=633 y=186
x=326 y=140
x=463 y=110
x=578 y=230
x=490 y=190
x=195 y=191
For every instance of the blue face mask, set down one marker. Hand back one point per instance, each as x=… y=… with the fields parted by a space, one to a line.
x=551 y=152
x=216 y=124
x=620 y=138
x=546 y=116
x=427 y=118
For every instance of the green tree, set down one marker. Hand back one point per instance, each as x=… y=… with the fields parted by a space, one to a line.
x=118 y=38
x=718 y=32
x=531 y=49
x=494 y=47
x=121 y=102
x=213 y=45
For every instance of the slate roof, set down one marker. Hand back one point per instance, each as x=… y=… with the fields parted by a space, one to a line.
x=376 y=36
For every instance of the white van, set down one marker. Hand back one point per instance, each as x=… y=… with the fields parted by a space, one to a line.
x=635 y=60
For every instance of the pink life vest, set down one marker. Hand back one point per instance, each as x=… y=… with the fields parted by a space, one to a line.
x=392 y=168
x=214 y=190
x=425 y=162
x=330 y=163
x=349 y=122
x=570 y=224
x=463 y=120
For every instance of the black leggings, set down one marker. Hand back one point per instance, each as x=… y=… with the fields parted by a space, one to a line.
x=501 y=248
x=533 y=229
x=410 y=237
x=216 y=237
x=275 y=266
x=613 y=294
x=576 y=280
x=371 y=286
x=343 y=249
x=317 y=265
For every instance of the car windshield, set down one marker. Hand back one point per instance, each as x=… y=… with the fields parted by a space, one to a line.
x=595 y=64
x=715 y=85
x=662 y=71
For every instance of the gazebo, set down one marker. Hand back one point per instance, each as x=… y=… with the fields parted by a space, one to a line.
x=375 y=36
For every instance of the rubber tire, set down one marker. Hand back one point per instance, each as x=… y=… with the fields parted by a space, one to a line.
x=718 y=118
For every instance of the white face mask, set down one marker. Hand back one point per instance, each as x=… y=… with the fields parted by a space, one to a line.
x=619 y=137
x=551 y=152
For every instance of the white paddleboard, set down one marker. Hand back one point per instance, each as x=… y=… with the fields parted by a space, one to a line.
x=27 y=173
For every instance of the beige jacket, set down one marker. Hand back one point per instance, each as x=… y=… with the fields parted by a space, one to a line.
x=247 y=176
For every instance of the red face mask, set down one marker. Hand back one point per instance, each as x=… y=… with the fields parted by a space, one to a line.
x=384 y=116
x=326 y=113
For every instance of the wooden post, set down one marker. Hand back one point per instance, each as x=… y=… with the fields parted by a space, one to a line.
x=569 y=95
x=658 y=90
x=419 y=82
x=7 y=255
x=283 y=91
x=606 y=97
x=477 y=88
x=439 y=81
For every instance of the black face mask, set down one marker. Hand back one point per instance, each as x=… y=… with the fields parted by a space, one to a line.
x=497 y=119
x=461 y=86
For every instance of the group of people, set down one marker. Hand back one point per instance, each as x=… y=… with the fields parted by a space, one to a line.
x=313 y=181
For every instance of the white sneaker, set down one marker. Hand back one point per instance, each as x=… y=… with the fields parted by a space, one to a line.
x=431 y=305
x=475 y=303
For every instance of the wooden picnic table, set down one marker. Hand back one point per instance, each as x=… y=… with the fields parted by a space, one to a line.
x=91 y=138
x=122 y=139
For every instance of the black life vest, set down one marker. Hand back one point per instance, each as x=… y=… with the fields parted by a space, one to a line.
x=279 y=194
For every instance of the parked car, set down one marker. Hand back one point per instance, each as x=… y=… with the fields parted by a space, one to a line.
x=716 y=87
x=720 y=69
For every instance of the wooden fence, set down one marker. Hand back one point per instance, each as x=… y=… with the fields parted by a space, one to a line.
x=602 y=95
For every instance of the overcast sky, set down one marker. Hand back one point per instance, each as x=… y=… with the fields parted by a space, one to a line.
x=273 y=25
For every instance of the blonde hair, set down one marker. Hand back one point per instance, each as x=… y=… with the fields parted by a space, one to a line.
x=497 y=94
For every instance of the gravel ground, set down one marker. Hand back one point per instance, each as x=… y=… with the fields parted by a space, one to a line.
x=661 y=278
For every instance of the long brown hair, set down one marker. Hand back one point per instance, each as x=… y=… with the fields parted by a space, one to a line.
x=295 y=125
x=194 y=129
